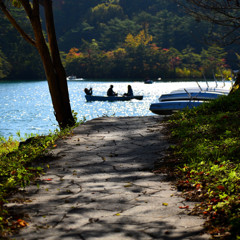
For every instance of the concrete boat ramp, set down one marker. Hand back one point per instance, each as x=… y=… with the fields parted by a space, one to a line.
x=100 y=185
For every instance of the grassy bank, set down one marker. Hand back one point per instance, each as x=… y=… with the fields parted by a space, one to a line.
x=20 y=164
x=207 y=156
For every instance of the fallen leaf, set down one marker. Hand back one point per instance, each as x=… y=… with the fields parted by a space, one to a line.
x=128 y=185
x=22 y=223
x=47 y=179
x=198 y=185
x=165 y=204
x=184 y=207
x=117 y=214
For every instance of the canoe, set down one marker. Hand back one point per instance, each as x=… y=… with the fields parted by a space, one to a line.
x=112 y=98
x=166 y=108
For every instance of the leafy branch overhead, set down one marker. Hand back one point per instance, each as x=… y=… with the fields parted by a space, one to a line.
x=14 y=22
x=220 y=12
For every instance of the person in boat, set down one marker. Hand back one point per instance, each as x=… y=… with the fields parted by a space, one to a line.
x=110 y=91
x=129 y=93
x=88 y=91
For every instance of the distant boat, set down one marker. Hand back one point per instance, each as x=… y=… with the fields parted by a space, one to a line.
x=148 y=81
x=166 y=108
x=72 y=77
x=91 y=98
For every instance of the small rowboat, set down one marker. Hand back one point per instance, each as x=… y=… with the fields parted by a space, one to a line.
x=90 y=98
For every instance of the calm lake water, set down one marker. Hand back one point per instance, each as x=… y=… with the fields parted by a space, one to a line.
x=26 y=105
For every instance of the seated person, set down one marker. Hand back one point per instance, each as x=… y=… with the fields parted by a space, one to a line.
x=110 y=92
x=88 y=91
x=129 y=93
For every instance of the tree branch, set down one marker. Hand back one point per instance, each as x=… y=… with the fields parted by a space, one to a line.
x=15 y=24
x=27 y=7
x=219 y=12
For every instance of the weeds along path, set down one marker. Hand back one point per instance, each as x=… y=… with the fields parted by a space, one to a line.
x=100 y=185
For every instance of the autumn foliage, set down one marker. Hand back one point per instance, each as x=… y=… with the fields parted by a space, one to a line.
x=139 y=57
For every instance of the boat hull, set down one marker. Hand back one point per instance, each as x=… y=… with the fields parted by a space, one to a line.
x=191 y=90
x=112 y=98
x=166 y=108
x=203 y=96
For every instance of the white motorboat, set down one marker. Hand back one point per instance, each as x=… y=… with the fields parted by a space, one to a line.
x=182 y=98
x=203 y=89
x=224 y=89
x=169 y=107
x=191 y=95
x=74 y=78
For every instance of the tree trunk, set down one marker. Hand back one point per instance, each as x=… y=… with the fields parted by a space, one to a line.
x=54 y=70
x=59 y=69
x=236 y=86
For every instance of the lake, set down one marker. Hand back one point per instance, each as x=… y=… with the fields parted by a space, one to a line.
x=26 y=105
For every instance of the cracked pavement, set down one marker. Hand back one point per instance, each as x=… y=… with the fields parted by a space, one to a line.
x=100 y=185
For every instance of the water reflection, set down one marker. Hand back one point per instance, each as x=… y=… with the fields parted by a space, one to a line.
x=26 y=106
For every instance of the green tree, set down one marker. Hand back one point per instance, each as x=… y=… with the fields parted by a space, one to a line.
x=223 y=13
x=191 y=62
x=104 y=12
x=137 y=47
x=114 y=32
x=213 y=60
x=5 y=66
x=48 y=51
x=22 y=56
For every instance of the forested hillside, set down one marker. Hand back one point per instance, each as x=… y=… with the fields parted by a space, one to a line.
x=119 y=38
x=109 y=23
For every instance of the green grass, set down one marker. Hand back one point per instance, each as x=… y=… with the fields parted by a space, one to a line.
x=19 y=165
x=208 y=151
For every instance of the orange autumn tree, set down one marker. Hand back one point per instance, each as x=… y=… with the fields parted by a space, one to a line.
x=48 y=50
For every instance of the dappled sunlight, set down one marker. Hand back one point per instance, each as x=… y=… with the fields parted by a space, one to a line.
x=100 y=185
